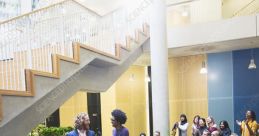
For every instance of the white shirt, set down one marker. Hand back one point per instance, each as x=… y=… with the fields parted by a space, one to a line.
x=183 y=128
x=81 y=133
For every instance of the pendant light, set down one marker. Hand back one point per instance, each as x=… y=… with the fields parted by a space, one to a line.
x=252 y=64
x=203 y=68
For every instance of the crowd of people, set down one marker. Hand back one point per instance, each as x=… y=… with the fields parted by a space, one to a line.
x=200 y=126
x=208 y=127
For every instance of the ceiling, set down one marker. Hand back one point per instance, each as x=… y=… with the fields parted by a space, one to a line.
x=105 y=6
x=215 y=47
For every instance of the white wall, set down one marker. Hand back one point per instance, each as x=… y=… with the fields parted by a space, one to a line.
x=199 y=11
x=230 y=29
x=205 y=11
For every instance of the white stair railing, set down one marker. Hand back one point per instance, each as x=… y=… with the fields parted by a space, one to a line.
x=250 y=8
x=27 y=42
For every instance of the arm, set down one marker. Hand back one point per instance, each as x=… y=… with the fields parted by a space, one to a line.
x=193 y=130
x=126 y=133
x=113 y=132
x=242 y=126
x=183 y=127
x=238 y=122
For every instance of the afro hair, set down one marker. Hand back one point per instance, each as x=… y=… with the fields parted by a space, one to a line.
x=119 y=116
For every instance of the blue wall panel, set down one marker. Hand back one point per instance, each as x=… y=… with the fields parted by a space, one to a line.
x=220 y=87
x=245 y=85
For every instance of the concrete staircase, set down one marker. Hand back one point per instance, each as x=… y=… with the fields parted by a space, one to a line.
x=89 y=69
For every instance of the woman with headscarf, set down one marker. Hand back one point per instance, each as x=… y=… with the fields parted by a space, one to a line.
x=182 y=125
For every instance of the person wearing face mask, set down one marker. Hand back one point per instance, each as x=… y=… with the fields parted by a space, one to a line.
x=82 y=127
x=182 y=125
x=224 y=129
x=248 y=127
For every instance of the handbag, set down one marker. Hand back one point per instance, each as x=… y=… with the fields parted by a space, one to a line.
x=173 y=132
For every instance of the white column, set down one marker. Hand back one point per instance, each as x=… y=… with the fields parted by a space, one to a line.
x=159 y=64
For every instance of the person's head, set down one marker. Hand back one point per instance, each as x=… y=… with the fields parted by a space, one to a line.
x=196 y=119
x=82 y=121
x=215 y=133
x=202 y=122
x=206 y=133
x=142 y=134
x=223 y=125
x=118 y=118
x=210 y=121
x=183 y=118
x=250 y=115
x=157 y=133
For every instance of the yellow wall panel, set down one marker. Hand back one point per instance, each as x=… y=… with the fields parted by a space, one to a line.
x=129 y=95
x=108 y=103
x=187 y=88
x=68 y=111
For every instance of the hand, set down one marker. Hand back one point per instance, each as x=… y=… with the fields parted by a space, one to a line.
x=246 y=122
x=176 y=124
x=238 y=122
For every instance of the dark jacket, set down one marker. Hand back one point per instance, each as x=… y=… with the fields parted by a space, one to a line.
x=225 y=132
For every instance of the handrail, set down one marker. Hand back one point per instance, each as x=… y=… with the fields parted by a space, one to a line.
x=45 y=8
